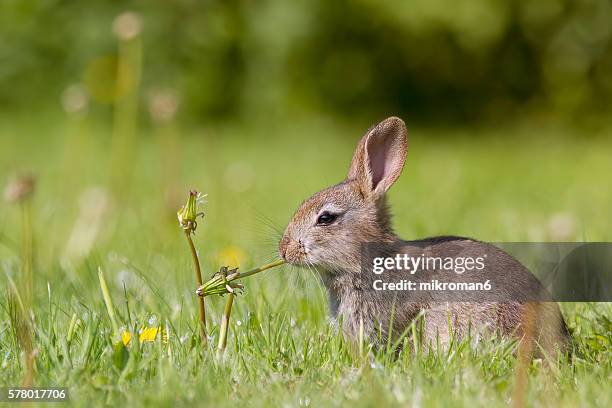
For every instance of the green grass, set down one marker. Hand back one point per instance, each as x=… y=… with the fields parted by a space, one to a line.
x=495 y=184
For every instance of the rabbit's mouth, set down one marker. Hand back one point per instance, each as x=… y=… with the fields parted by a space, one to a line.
x=293 y=251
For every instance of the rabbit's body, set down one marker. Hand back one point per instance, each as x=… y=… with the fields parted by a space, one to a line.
x=339 y=230
x=358 y=306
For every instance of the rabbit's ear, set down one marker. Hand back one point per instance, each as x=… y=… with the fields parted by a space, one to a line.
x=379 y=157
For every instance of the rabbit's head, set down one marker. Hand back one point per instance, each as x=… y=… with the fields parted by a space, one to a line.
x=328 y=229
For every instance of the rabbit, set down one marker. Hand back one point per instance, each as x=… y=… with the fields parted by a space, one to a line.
x=329 y=231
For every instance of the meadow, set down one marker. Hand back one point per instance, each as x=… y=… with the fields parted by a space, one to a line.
x=521 y=182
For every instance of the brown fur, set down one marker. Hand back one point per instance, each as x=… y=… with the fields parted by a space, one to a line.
x=363 y=216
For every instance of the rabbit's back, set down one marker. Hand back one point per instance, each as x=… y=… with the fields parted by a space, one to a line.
x=515 y=298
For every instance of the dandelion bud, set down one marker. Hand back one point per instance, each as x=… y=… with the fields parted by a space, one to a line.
x=19 y=188
x=188 y=213
x=127 y=25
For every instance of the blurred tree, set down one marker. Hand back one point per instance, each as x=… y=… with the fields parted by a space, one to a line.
x=432 y=59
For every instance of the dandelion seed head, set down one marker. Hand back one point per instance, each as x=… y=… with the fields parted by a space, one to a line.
x=19 y=188
x=163 y=105
x=127 y=25
x=75 y=99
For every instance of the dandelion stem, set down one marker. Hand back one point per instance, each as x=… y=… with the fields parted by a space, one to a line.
x=20 y=191
x=27 y=252
x=125 y=115
x=23 y=331
x=198 y=273
x=218 y=284
x=28 y=289
x=28 y=274
x=260 y=269
x=224 y=329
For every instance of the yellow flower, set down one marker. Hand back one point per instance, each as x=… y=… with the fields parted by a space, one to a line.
x=126 y=336
x=148 y=334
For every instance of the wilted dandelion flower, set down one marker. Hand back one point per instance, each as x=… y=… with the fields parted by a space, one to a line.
x=188 y=213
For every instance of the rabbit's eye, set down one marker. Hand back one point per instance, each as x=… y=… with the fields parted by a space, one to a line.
x=326 y=218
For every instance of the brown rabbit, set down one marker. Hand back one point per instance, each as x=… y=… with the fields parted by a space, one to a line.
x=333 y=229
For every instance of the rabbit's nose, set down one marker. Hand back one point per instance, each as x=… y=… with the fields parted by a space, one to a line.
x=283 y=245
x=290 y=249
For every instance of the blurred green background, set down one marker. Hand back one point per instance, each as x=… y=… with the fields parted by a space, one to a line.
x=430 y=61
x=117 y=108
x=260 y=104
